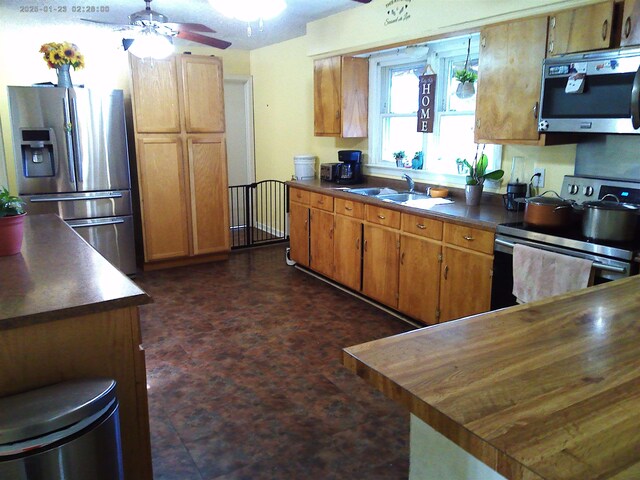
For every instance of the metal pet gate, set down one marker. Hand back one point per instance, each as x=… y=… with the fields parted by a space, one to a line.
x=258 y=213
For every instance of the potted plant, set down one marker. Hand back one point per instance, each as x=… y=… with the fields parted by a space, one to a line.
x=399 y=158
x=476 y=175
x=11 y=223
x=467 y=78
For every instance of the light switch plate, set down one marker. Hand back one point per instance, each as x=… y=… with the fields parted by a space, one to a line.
x=538 y=181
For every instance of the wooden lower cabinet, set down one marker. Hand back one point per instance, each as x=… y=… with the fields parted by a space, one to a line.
x=419 y=279
x=299 y=233
x=163 y=189
x=321 y=241
x=381 y=260
x=465 y=283
x=347 y=252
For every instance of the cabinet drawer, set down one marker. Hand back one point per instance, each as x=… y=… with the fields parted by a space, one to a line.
x=349 y=208
x=425 y=227
x=323 y=202
x=468 y=237
x=300 y=196
x=382 y=216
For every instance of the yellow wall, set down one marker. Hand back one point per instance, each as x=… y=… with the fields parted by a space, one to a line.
x=283 y=78
x=107 y=63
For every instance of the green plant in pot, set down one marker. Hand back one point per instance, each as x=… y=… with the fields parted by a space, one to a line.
x=399 y=157
x=11 y=223
x=476 y=175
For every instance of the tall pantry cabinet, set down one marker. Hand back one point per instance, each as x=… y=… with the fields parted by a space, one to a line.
x=178 y=110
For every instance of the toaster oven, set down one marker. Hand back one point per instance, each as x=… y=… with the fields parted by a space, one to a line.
x=329 y=172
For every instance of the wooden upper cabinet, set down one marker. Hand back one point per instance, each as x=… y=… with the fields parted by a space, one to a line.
x=630 y=23
x=341 y=97
x=202 y=87
x=209 y=194
x=155 y=94
x=581 y=29
x=509 y=78
x=162 y=188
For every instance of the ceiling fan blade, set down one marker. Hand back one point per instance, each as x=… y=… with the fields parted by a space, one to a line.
x=196 y=37
x=194 y=27
x=363 y=1
x=105 y=23
x=126 y=43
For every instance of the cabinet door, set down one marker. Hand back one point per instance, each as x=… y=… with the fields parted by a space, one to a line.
x=355 y=97
x=347 y=251
x=581 y=29
x=327 y=96
x=209 y=194
x=163 y=197
x=380 y=264
x=321 y=241
x=509 y=79
x=419 y=282
x=155 y=95
x=299 y=233
x=202 y=87
x=630 y=23
x=465 y=284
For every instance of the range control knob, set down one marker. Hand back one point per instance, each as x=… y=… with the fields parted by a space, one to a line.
x=543 y=126
x=588 y=190
x=574 y=189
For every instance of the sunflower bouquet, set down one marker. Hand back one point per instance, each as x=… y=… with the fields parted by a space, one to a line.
x=65 y=53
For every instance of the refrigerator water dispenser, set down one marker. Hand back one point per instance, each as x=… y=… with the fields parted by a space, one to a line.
x=38 y=148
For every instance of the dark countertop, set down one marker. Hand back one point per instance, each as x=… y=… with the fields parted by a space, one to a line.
x=546 y=390
x=58 y=275
x=490 y=213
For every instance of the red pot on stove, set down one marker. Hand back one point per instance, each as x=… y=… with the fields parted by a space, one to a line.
x=547 y=212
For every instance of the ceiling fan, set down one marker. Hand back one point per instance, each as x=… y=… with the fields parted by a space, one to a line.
x=149 y=21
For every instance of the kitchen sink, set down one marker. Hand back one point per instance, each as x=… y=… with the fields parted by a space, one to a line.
x=402 y=197
x=371 y=191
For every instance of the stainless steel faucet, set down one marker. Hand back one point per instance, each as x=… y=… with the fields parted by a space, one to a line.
x=410 y=182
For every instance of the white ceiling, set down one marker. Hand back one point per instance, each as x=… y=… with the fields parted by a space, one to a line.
x=290 y=24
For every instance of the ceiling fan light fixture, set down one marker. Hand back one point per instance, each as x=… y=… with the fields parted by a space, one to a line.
x=249 y=10
x=150 y=44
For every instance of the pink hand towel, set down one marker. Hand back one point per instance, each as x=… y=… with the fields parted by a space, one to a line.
x=540 y=274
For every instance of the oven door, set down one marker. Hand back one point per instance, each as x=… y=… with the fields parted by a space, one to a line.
x=606 y=269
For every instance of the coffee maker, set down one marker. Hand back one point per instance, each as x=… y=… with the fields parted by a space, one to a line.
x=350 y=167
x=516 y=188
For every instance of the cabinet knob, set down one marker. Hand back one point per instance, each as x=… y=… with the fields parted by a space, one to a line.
x=627 y=27
x=605 y=29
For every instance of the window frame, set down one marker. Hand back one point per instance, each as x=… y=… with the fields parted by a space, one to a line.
x=384 y=61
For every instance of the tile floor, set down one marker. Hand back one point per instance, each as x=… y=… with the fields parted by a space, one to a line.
x=245 y=378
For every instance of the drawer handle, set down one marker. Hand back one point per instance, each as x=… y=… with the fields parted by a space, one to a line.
x=321 y=201
x=381 y=217
x=468 y=238
x=348 y=209
x=420 y=226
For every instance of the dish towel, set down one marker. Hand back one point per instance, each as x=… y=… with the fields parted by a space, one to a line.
x=540 y=274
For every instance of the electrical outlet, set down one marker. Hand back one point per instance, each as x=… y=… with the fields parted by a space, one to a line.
x=538 y=182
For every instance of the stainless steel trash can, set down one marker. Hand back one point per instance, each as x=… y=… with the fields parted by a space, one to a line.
x=66 y=431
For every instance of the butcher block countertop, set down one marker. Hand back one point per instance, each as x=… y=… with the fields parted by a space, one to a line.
x=547 y=390
x=58 y=275
x=490 y=213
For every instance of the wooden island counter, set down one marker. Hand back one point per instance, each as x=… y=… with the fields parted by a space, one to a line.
x=547 y=390
x=66 y=313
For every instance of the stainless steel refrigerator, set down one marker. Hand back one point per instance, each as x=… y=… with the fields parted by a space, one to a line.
x=71 y=157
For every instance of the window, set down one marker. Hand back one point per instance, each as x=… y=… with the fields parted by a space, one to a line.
x=394 y=105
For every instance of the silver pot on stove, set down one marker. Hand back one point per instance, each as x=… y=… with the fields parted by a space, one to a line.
x=609 y=220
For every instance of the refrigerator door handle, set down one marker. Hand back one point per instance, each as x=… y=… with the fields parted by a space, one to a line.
x=100 y=223
x=59 y=198
x=76 y=140
x=68 y=128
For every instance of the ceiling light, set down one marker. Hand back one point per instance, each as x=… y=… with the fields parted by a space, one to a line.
x=149 y=44
x=249 y=10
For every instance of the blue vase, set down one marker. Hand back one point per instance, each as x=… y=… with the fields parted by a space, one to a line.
x=64 y=77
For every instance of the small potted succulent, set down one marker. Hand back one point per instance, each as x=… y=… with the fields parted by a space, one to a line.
x=467 y=78
x=399 y=158
x=476 y=175
x=11 y=223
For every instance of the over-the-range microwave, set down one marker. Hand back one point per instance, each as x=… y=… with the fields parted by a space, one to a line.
x=593 y=92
